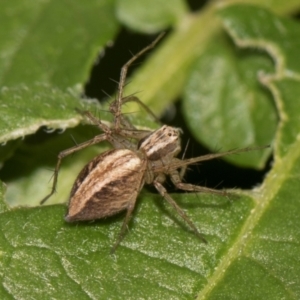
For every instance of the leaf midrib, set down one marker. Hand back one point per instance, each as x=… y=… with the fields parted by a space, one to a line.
x=262 y=197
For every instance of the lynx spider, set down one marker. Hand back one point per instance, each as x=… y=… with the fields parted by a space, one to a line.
x=111 y=182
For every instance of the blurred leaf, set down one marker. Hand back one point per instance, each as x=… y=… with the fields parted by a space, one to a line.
x=27 y=108
x=146 y=16
x=280 y=38
x=52 y=42
x=226 y=106
x=47 y=49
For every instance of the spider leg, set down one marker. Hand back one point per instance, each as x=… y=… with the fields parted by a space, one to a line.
x=182 y=172
x=95 y=121
x=124 y=227
x=116 y=108
x=143 y=105
x=176 y=179
x=61 y=155
x=117 y=138
x=179 y=163
x=126 y=129
x=163 y=192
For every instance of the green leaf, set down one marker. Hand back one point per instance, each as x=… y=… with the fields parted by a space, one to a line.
x=52 y=42
x=46 y=53
x=252 y=249
x=157 y=250
x=261 y=268
x=145 y=16
x=224 y=101
x=27 y=108
x=282 y=45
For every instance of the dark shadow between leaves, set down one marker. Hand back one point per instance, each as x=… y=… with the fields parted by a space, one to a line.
x=41 y=150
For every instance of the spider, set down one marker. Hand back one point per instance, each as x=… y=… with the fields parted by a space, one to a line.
x=110 y=183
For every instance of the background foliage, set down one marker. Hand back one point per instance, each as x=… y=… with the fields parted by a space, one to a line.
x=235 y=67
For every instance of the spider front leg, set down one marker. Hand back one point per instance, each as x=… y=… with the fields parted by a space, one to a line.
x=124 y=122
x=163 y=192
x=126 y=129
x=182 y=172
x=118 y=102
x=61 y=155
